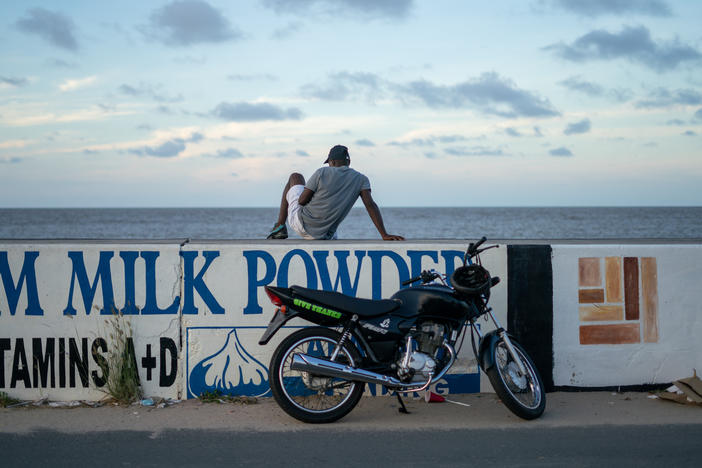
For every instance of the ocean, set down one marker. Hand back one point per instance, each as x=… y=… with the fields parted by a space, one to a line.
x=412 y=223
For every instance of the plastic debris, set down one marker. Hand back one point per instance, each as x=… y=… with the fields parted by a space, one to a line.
x=147 y=402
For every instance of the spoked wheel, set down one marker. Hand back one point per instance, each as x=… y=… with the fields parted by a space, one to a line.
x=523 y=394
x=308 y=397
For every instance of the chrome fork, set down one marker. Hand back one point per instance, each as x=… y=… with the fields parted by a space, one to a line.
x=508 y=343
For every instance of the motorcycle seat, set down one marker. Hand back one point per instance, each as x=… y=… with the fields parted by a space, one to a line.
x=339 y=301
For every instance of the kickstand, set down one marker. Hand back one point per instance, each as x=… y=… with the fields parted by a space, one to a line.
x=402 y=409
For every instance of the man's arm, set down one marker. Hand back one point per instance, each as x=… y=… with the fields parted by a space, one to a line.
x=375 y=216
x=305 y=196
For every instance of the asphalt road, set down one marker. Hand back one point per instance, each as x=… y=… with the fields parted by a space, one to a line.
x=601 y=446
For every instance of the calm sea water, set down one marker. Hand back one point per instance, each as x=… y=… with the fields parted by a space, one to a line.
x=413 y=223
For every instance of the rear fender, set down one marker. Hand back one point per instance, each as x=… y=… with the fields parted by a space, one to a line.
x=279 y=319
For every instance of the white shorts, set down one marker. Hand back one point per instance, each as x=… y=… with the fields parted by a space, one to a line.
x=294 y=207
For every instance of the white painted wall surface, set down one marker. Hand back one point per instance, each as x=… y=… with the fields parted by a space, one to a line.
x=54 y=273
x=679 y=347
x=200 y=329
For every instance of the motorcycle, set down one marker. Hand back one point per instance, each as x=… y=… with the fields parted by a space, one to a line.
x=406 y=343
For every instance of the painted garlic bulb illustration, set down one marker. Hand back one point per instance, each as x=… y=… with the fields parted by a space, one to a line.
x=231 y=371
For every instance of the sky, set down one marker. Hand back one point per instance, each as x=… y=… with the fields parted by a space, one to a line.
x=194 y=103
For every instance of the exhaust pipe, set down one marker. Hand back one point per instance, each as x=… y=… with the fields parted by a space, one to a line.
x=306 y=363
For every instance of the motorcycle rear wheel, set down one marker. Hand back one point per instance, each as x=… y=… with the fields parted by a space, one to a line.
x=308 y=397
x=522 y=394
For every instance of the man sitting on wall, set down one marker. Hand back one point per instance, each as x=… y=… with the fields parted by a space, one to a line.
x=315 y=209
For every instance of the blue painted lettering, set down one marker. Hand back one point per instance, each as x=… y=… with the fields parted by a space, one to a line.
x=192 y=282
x=103 y=275
x=27 y=277
x=376 y=272
x=151 y=307
x=309 y=268
x=252 y=258
x=129 y=259
x=342 y=275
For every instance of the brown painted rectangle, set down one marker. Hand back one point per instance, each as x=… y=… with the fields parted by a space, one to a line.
x=591 y=296
x=631 y=288
x=624 y=333
x=613 y=279
x=649 y=296
x=589 y=271
x=601 y=313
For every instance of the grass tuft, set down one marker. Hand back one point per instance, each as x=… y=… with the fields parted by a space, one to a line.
x=217 y=396
x=6 y=400
x=123 y=382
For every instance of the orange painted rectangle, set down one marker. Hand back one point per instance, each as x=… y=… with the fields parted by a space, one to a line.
x=589 y=271
x=613 y=279
x=649 y=299
x=631 y=288
x=624 y=333
x=601 y=313
x=591 y=296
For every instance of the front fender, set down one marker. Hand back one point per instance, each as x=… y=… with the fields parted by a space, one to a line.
x=486 y=350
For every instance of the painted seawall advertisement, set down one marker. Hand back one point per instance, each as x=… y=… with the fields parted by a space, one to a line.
x=196 y=311
x=595 y=314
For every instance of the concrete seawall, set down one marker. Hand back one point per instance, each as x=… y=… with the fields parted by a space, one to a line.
x=591 y=313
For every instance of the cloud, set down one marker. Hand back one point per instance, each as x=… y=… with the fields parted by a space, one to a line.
x=363 y=9
x=689 y=133
x=10 y=160
x=72 y=85
x=698 y=114
x=575 y=128
x=432 y=140
x=575 y=83
x=58 y=63
x=364 y=142
x=662 y=97
x=489 y=94
x=342 y=86
x=229 y=153
x=474 y=151
x=594 y=8
x=562 y=151
x=247 y=112
x=15 y=82
x=302 y=153
x=149 y=90
x=287 y=31
x=633 y=44
x=511 y=131
x=168 y=149
x=188 y=22
x=676 y=122
x=50 y=26
x=252 y=77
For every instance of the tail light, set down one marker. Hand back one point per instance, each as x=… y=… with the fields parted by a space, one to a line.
x=274 y=299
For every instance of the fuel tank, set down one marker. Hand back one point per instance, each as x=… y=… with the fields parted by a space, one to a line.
x=435 y=302
x=431 y=302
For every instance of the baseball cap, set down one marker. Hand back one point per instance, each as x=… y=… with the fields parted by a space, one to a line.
x=338 y=152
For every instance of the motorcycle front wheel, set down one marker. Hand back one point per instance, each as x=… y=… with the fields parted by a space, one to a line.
x=306 y=396
x=523 y=394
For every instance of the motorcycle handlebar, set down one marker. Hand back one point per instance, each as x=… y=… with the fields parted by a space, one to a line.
x=472 y=247
x=411 y=280
x=426 y=276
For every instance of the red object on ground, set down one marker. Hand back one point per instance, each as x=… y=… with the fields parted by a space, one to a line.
x=431 y=397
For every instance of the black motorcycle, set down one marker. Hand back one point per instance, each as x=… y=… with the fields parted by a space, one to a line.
x=405 y=343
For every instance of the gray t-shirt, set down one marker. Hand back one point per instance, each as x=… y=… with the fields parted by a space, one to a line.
x=335 y=191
